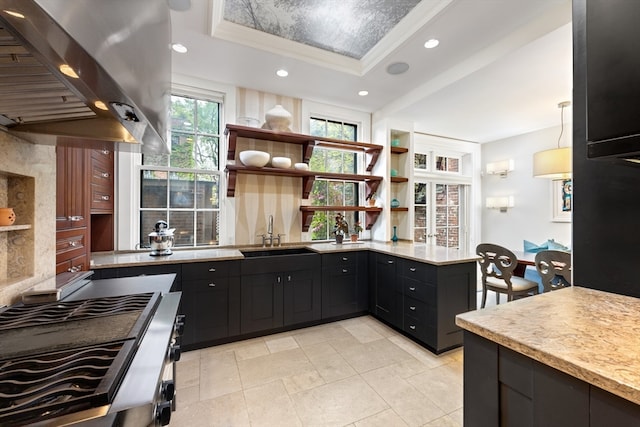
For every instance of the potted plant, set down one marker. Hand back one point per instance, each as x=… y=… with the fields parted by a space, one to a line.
x=371 y=199
x=341 y=228
x=357 y=228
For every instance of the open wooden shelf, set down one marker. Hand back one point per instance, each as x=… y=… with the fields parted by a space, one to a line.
x=308 y=177
x=15 y=227
x=371 y=214
x=307 y=142
x=399 y=150
x=400 y=209
x=399 y=179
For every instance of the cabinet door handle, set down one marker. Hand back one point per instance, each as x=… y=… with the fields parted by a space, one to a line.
x=212 y=285
x=279 y=279
x=105 y=174
x=412 y=269
x=412 y=308
x=412 y=289
x=390 y=262
x=105 y=197
x=75 y=218
x=288 y=278
x=344 y=270
x=212 y=270
x=105 y=152
x=412 y=327
x=74 y=269
x=344 y=258
x=73 y=243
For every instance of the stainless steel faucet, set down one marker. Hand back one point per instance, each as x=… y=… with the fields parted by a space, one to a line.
x=269 y=236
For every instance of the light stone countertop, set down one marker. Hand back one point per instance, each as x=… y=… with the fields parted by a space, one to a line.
x=416 y=251
x=591 y=335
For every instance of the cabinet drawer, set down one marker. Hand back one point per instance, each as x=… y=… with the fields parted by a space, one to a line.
x=70 y=243
x=419 y=290
x=101 y=198
x=419 y=311
x=417 y=270
x=212 y=283
x=102 y=173
x=210 y=270
x=334 y=262
x=419 y=330
x=105 y=155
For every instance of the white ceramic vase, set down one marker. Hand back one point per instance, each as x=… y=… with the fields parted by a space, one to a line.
x=278 y=119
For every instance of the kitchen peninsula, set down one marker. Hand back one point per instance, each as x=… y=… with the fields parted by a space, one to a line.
x=227 y=295
x=564 y=358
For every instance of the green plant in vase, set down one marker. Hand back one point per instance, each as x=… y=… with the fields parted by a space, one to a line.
x=357 y=228
x=341 y=227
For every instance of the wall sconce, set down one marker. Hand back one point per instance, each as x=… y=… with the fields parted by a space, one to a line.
x=502 y=167
x=502 y=203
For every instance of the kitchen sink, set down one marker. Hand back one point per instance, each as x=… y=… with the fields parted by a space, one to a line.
x=276 y=252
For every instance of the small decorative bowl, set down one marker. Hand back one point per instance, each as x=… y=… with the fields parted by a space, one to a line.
x=301 y=166
x=254 y=158
x=281 y=162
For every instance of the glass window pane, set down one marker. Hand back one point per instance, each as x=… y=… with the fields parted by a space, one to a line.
x=334 y=130
x=420 y=193
x=207 y=228
x=182 y=114
x=155 y=159
x=182 y=150
x=153 y=191
x=183 y=224
x=441 y=216
x=454 y=165
x=420 y=213
x=319 y=195
x=420 y=161
x=441 y=195
x=207 y=189
x=181 y=187
x=318 y=127
x=420 y=235
x=336 y=195
x=148 y=221
x=206 y=152
x=320 y=226
x=208 y=113
x=350 y=194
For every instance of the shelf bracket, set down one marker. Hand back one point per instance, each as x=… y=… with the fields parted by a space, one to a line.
x=232 y=136
x=371 y=217
x=307 y=185
x=307 y=151
x=373 y=153
x=231 y=182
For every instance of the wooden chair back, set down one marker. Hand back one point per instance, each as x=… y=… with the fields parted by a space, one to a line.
x=554 y=268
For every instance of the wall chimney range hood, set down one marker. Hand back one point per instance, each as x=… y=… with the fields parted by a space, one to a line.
x=86 y=70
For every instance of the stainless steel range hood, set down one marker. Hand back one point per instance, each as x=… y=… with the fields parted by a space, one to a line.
x=119 y=50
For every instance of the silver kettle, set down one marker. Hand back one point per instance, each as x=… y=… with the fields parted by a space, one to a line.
x=161 y=239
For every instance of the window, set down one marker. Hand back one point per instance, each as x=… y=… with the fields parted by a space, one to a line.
x=332 y=192
x=183 y=188
x=437 y=207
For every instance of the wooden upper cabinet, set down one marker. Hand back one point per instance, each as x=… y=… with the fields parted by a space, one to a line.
x=101 y=171
x=72 y=206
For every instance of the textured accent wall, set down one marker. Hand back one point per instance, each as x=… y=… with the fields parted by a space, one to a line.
x=258 y=196
x=28 y=182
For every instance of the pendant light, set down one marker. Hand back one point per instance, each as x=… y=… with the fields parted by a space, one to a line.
x=554 y=163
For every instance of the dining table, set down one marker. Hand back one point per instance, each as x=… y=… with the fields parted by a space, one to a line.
x=524 y=259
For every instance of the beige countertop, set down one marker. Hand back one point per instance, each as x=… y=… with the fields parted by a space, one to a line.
x=589 y=334
x=420 y=252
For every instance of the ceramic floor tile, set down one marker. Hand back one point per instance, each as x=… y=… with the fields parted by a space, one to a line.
x=379 y=327
x=187 y=373
x=251 y=349
x=445 y=421
x=333 y=367
x=420 y=353
x=338 y=403
x=373 y=355
x=363 y=332
x=281 y=344
x=189 y=355
x=219 y=375
x=388 y=418
x=187 y=396
x=442 y=385
x=304 y=381
x=320 y=334
x=272 y=367
x=458 y=416
x=316 y=351
x=412 y=406
x=270 y=405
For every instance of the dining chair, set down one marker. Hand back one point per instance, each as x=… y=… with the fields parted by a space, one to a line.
x=554 y=268
x=497 y=264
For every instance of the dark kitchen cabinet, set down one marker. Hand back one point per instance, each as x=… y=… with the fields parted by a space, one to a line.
x=101 y=171
x=505 y=388
x=72 y=210
x=387 y=291
x=210 y=302
x=279 y=291
x=344 y=284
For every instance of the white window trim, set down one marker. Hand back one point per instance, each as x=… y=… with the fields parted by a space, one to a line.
x=129 y=165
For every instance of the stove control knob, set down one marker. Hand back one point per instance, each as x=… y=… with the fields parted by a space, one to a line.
x=178 y=327
x=163 y=413
x=168 y=389
x=174 y=353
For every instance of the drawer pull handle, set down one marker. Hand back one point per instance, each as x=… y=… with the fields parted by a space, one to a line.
x=412 y=327
x=412 y=269
x=344 y=270
x=74 y=269
x=75 y=218
x=73 y=243
x=390 y=262
x=344 y=258
x=212 y=285
x=105 y=174
x=412 y=308
x=212 y=270
x=105 y=197
x=288 y=278
x=105 y=152
x=412 y=289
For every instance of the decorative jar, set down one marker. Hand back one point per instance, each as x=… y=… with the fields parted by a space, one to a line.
x=278 y=119
x=7 y=216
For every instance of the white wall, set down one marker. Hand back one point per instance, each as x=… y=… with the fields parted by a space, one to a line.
x=531 y=218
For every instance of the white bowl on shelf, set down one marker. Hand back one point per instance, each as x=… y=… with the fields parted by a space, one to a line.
x=254 y=158
x=281 y=162
x=301 y=166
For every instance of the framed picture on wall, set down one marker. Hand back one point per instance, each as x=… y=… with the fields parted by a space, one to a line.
x=562 y=200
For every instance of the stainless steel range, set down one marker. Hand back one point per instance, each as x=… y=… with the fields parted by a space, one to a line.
x=79 y=361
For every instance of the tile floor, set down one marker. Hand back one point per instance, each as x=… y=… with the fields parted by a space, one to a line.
x=357 y=372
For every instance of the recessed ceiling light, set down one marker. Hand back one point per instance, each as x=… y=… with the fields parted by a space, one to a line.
x=363 y=93
x=178 y=47
x=68 y=71
x=14 y=14
x=282 y=72
x=397 y=68
x=431 y=43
